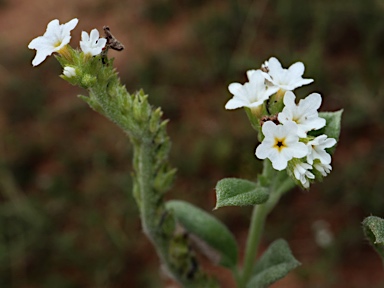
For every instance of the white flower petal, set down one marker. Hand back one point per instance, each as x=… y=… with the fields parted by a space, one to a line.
x=234 y=104
x=274 y=67
x=316 y=149
x=304 y=114
x=54 y=39
x=251 y=94
x=296 y=70
x=278 y=162
x=329 y=142
x=84 y=36
x=40 y=57
x=263 y=151
x=289 y=99
x=235 y=89
x=268 y=129
x=102 y=42
x=250 y=72
x=302 y=173
x=299 y=150
x=311 y=102
x=69 y=26
x=324 y=169
x=94 y=35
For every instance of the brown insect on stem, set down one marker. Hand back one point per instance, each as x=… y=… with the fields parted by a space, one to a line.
x=112 y=42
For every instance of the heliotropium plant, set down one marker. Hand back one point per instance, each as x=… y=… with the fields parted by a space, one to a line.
x=296 y=146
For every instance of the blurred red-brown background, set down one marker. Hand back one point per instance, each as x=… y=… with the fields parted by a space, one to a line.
x=67 y=217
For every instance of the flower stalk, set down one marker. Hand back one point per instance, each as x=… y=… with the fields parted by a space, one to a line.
x=256 y=227
x=277 y=184
x=152 y=173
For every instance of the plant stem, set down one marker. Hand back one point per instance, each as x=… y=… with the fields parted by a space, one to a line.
x=277 y=186
x=256 y=228
x=152 y=172
x=144 y=181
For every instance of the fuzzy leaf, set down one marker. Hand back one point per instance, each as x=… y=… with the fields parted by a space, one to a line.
x=276 y=262
x=374 y=230
x=332 y=128
x=239 y=192
x=208 y=229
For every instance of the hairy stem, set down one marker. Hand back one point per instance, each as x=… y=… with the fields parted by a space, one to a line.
x=277 y=183
x=153 y=174
x=256 y=227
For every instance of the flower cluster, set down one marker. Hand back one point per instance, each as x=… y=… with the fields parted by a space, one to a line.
x=288 y=136
x=56 y=39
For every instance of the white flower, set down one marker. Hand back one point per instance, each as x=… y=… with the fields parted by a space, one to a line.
x=304 y=114
x=324 y=169
x=252 y=94
x=302 y=173
x=286 y=79
x=54 y=39
x=92 y=44
x=69 y=71
x=280 y=144
x=316 y=149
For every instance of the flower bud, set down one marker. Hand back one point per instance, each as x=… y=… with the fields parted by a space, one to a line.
x=69 y=71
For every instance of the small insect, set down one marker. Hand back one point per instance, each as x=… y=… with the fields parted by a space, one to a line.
x=112 y=42
x=264 y=67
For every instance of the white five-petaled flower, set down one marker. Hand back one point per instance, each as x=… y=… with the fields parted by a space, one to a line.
x=281 y=144
x=316 y=149
x=286 y=79
x=252 y=94
x=302 y=173
x=92 y=44
x=54 y=39
x=304 y=114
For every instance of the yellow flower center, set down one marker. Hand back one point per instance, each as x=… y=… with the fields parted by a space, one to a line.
x=279 y=144
x=64 y=51
x=57 y=44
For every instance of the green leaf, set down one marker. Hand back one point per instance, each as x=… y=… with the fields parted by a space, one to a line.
x=239 y=192
x=333 y=119
x=332 y=127
x=374 y=230
x=276 y=262
x=207 y=228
